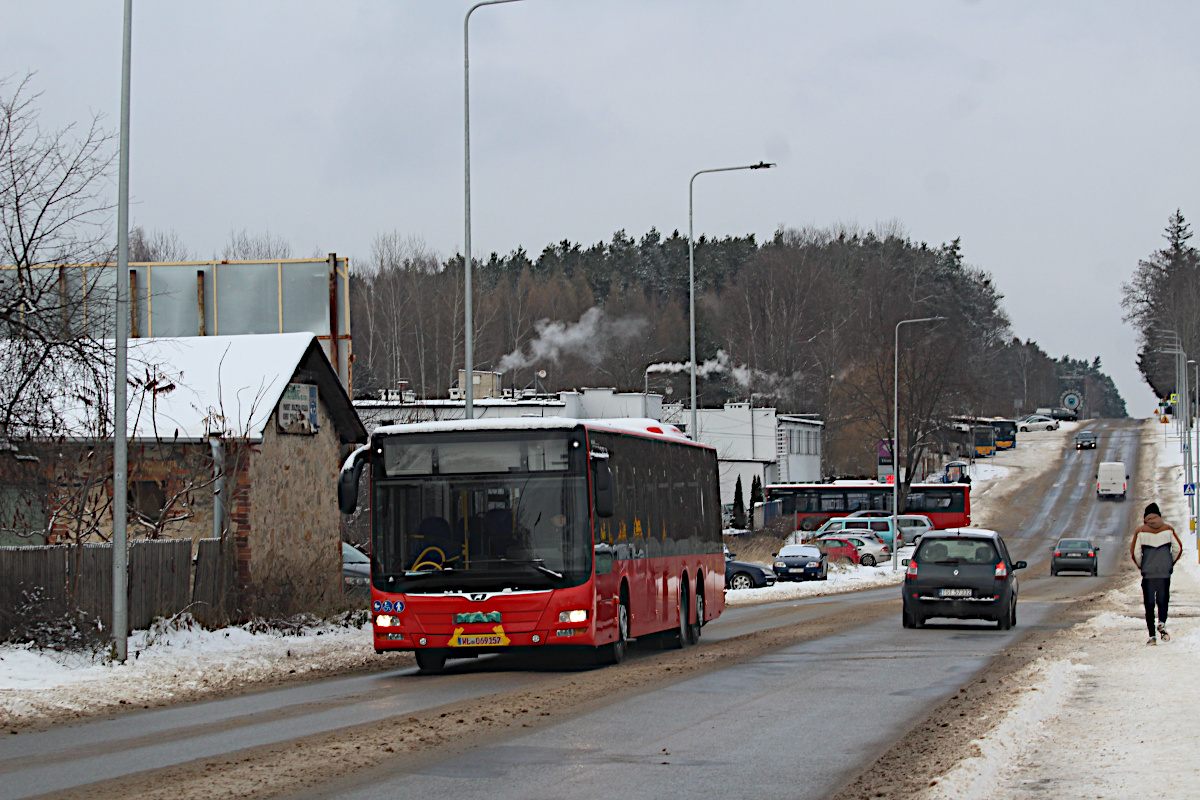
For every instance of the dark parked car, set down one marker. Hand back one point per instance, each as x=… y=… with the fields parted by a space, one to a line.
x=962 y=573
x=1075 y=555
x=744 y=575
x=1085 y=440
x=801 y=562
x=356 y=572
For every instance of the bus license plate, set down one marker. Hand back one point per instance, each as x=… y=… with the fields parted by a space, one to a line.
x=478 y=640
x=955 y=593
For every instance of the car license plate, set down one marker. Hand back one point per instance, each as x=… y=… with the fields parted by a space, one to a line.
x=797 y=569
x=954 y=593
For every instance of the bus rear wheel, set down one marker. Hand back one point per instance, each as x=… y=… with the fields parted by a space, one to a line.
x=431 y=661
x=698 y=604
x=680 y=637
x=614 y=652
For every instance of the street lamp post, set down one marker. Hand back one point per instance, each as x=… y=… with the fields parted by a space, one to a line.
x=1190 y=453
x=694 y=431
x=468 y=317
x=897 y=540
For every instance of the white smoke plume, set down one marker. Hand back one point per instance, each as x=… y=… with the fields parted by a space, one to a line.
x=710 y=367
x=592 y=337
x=741 y=374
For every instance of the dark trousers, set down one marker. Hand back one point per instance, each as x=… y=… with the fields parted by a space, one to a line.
x=1154 y=593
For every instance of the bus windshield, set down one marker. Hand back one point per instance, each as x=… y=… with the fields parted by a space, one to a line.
x=485 y=514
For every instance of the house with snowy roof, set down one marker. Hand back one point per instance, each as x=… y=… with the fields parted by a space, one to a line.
x=237 y=437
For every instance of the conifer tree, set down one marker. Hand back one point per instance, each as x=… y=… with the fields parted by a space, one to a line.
x=739 y=505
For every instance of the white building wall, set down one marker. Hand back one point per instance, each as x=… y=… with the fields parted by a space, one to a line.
x=799 y=445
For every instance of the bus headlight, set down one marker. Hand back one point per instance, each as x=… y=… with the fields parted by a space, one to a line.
x=387 y=621
x=578 y=615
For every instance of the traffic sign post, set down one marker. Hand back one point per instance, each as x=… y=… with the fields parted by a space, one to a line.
x=1189 y=489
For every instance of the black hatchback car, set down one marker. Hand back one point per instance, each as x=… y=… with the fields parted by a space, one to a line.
x=744 y=575
x=1085 y=440
x=1075 y=555
x=962 y=573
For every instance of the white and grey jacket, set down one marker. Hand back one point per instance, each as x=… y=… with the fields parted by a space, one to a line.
x=1156 y=551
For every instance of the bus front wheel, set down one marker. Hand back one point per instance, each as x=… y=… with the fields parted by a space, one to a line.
x=431 y=661
x=614 y=652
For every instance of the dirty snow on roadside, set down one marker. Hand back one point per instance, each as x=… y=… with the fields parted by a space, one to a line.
x=1112 y=717
x=841 y=579
x=182 y=663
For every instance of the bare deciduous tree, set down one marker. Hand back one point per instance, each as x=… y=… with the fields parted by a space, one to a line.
x=245 y=246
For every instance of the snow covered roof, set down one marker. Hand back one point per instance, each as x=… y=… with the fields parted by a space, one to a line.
x=644 y=427
x=185 y=388
x=222 y=383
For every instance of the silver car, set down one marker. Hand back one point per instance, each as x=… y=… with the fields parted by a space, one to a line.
x=912 y=526
x=1037 y=422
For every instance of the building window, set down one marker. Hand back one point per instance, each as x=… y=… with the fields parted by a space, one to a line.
x=147 y=499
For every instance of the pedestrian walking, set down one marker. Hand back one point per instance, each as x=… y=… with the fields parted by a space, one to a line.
x=1155 y=549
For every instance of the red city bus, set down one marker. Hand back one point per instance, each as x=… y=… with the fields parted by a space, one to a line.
x=490 y=535
x=948 y=505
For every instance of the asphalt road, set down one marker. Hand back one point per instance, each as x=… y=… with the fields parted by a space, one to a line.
x=807 y=717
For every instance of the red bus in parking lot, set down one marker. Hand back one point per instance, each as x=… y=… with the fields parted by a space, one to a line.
x=948 y=505
x=490 y=535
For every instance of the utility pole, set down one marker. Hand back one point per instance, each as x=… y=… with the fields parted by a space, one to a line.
x=120 y=603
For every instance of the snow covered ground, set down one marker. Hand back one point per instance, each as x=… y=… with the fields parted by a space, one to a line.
x=172 y=665
x=841 y=579
x=995 y=479
x=1108 y=716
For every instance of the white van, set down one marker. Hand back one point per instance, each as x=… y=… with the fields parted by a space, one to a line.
x=1111 y=480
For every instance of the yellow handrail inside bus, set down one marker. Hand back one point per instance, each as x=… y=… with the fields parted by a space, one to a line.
x=419 y=563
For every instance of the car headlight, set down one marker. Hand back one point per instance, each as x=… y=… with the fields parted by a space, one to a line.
x=577 y=615
x=780 y=565
x=387 y=621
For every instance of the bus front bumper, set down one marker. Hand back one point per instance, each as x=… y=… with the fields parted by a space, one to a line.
x=473 y=642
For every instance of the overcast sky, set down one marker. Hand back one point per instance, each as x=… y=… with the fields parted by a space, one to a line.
x=1054 y=138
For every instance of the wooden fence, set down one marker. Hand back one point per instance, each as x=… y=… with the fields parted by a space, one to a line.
x=61 y=578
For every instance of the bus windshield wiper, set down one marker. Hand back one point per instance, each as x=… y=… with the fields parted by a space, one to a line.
x=539 y=564
x=427 y=571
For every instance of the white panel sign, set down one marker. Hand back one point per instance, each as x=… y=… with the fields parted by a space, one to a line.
x=298 y=409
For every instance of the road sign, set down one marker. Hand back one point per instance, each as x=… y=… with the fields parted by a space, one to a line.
x=1071 y=401
x=1189 y=489
x=1173 y=399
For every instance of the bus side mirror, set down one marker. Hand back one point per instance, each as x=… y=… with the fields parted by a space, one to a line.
x=604 y=490
x=348 y=480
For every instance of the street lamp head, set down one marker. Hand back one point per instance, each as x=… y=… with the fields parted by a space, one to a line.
x=761 y=165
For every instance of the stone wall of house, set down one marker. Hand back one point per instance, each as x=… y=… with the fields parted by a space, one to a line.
x=294 y=560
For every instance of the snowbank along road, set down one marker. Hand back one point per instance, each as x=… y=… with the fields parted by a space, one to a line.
x=787 y=699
